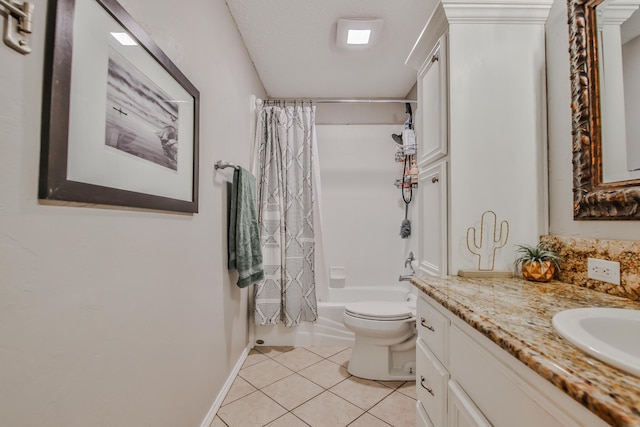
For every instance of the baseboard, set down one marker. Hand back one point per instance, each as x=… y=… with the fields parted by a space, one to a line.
x=225 y=388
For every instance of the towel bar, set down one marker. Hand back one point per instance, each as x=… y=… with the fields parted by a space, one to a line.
x=221 y=164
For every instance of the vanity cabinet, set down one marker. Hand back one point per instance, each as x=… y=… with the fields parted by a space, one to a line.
x=463 y=379
x=480 y=125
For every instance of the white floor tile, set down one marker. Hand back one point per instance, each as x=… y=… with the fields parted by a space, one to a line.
x=288 y=420
x=396 y=409
x=327 y=410
x=368 y=420
x=239 y=388
x=325 y=373
x=292 y=391
x=301 y=387
x=255 y=409
x=297 y=359
x=264 y=373
x=362 y=393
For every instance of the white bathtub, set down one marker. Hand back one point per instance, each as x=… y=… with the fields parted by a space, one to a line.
x=328 y=330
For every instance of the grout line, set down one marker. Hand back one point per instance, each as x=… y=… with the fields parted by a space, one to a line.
x=294 y=415
x=291 y=410
x=269 y=397
x=238 y=398
x=370 y=414
x=350 y=403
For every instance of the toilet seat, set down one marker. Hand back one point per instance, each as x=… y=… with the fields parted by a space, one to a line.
x=379 y=310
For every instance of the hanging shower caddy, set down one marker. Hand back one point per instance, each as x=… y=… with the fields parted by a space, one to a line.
x=406 y=154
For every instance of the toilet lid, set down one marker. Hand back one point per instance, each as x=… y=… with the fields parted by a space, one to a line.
x=379 y=310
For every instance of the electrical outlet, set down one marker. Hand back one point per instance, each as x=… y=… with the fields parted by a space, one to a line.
x=606 y=271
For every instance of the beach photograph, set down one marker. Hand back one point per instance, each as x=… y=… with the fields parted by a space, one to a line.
x=141 y=119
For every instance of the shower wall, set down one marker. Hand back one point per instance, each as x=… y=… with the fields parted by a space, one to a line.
x=362 y=210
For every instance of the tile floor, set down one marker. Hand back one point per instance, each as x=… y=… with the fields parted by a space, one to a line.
x=310 y=386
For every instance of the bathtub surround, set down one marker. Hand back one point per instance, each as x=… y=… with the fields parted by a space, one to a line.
x=286 y=148
x=357 y=196
x=361 y=207
x=575 y=251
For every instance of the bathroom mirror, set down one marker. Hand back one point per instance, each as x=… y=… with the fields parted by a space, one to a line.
x=598 y=111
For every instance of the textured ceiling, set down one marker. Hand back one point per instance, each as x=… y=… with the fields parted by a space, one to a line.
x=292 y=44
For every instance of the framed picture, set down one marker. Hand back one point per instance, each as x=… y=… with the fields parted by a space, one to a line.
x=119 y=121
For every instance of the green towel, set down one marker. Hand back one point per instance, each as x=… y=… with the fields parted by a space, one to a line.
x=245 y=252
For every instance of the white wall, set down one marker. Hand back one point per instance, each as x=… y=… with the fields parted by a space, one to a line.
x=559 y=135
x=360 y=113
x=362 y=209
x=113 y=317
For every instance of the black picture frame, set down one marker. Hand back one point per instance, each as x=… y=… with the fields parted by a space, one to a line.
x=149 y=173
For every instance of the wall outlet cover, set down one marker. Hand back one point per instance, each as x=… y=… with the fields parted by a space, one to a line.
x=606 y=271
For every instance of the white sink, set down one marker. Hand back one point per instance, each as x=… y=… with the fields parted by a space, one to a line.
x=611 y=335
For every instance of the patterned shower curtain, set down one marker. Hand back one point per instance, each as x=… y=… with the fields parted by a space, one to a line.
x=285 y=144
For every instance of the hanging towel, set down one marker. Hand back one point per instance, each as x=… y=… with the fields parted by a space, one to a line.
x=245 y=253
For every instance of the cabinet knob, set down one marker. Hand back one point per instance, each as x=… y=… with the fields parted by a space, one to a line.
x=423 y=322
x=430 y=390
x=434 y=58
x=435 y=179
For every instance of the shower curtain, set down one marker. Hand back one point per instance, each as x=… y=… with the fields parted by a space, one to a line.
x=285 y=164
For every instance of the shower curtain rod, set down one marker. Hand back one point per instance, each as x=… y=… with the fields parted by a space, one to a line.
x=349 y=101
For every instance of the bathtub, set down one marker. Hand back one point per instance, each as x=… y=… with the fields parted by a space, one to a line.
x=328 y=330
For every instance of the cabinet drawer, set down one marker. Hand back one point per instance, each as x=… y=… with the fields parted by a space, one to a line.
x=422 y=420
x=432 y=328
x=431 y=384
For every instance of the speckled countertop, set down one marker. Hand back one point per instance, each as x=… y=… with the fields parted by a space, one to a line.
x=516 y=315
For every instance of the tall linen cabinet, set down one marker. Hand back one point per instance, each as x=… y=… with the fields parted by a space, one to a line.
x=481 y=128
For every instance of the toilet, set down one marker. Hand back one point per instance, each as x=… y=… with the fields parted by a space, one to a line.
x=385 y=339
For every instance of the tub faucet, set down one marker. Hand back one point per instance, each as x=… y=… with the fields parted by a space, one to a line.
x=408 y=262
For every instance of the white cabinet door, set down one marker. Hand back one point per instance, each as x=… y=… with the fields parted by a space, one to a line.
x=433 y=219
x=422 y=420
x=462 y=411
x=432 y=105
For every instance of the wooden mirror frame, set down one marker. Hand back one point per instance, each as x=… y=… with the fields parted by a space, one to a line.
x=592 y=198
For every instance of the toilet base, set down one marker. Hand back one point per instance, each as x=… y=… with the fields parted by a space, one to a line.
x=383 y=362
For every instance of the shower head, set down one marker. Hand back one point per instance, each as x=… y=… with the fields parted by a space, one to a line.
x=397 y=138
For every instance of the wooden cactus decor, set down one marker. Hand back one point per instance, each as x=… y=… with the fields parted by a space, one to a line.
x=490 y=240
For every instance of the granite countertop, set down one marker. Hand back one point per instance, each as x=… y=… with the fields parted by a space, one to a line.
x=516 y=314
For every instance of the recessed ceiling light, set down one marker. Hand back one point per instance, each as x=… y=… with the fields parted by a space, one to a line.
x=358 y=36
x=358 y=33
x=124 y=38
